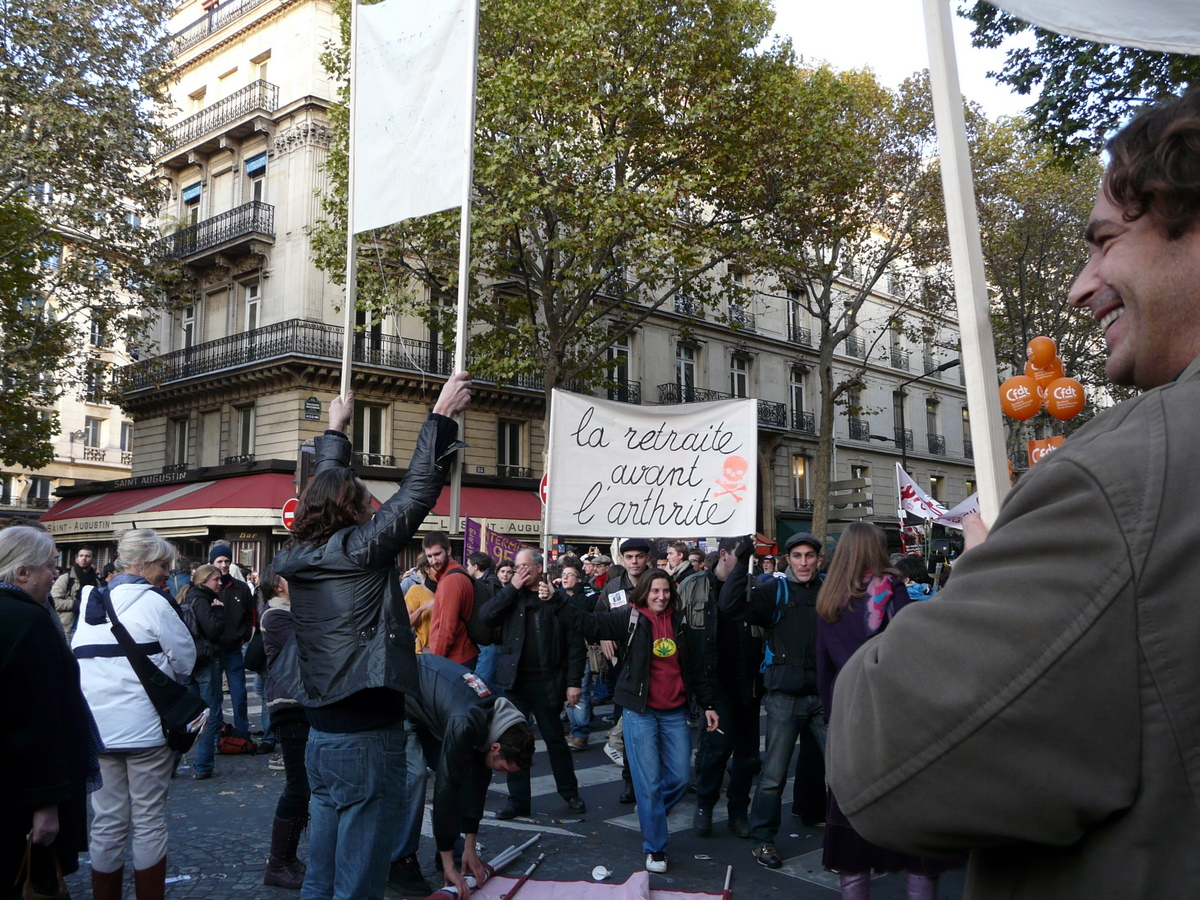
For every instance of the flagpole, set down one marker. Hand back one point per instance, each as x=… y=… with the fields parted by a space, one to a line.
x=464 y=254
x=966 y=252
x=351 y=237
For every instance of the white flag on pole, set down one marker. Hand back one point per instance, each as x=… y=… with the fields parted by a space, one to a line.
x=914 y=500
x=689 y=470
x=1168 y=25
x=953 y=518
x=414 y=79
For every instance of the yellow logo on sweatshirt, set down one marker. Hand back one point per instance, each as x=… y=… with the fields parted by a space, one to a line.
x=664 y=647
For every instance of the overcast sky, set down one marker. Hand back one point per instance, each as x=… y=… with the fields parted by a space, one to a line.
x=889 y=37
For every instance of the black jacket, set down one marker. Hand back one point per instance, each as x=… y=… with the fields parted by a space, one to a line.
x=791 y=657
x=731 y=651
x=352 y=630
x=229 y=625
x=454 y=722
x=560 y=658
x=633 y=684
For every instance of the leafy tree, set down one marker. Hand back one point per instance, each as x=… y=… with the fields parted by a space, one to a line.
x=1084 y=90
x=1033 y=212
x=873 y=210
x=78 y=107
x=610 y=142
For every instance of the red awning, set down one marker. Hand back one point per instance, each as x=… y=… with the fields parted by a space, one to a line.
x=266 y=490
x=492 y=503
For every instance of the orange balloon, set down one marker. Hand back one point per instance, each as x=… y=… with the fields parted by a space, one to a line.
x=1064 y=398
x=1041 y=351
x=1043 y=375
x=1019 y=398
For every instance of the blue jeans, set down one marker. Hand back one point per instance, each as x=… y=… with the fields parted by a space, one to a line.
x=485 y=668
x=414 y=797
x=204 y=675
x=580 y=715
x=358 y=786
x=787 y=714
x=658 y=748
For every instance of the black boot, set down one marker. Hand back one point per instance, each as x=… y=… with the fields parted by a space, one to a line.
x=283 y=868
x=405 y=876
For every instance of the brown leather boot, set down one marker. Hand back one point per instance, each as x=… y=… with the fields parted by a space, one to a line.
x=151 y=882
x=107 y=885
x=283 y=868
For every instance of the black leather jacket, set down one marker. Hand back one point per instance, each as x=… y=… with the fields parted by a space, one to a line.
x=732 y=653
x=633 y=684
x=560 y=658
x=352 y=630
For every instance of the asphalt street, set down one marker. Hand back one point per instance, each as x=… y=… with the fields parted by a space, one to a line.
x=219 y=832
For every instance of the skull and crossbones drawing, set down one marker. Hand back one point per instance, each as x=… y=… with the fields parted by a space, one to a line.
x=733 y=482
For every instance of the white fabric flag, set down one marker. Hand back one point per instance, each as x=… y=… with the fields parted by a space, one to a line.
x=953 y=518
x=684 y=471
x=411 y=100
x=1168 y=25
x=915 y=500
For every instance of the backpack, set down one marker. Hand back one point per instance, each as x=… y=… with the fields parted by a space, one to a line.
x=233 y=742
x=480 y=633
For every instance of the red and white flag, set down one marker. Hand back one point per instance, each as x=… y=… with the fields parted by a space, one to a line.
x=953 y=518
x=914 y=500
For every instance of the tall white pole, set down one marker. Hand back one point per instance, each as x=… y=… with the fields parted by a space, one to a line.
x=351 y=238
x=966 y=252
x=464 y=254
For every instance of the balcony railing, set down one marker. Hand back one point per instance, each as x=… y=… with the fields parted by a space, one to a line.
x=905 y=437
x=626 y=392
x=174 y=469
x=10 y=502
x=94 y=454
x=900 y=359
x=741 y=319
x=930 y=365
x=253 y=218
x=687 y=306
x=937 y=444
x=214 y=20
x=856 y=347
x=804 y=421
x=801 y=336
x=514 y=471
x=968 y=449
x=803 y=504
x=770 y=413
x=243 y=459
x=372 y=459
x=258 y=95
x=860 y=430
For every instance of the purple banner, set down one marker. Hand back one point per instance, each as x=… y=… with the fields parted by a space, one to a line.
x=497 y=546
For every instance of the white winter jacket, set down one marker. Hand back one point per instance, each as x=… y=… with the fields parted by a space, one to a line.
x=124 y=714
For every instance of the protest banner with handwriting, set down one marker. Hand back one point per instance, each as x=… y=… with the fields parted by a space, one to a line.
x=686 y=470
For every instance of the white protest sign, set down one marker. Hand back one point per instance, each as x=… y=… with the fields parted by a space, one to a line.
x=687 y=470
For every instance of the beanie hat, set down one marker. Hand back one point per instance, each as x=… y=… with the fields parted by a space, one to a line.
x=219 y=550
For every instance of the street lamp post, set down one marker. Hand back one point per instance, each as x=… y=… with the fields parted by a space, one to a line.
x=901 y=436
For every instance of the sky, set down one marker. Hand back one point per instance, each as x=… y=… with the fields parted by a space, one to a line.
x=889 y=37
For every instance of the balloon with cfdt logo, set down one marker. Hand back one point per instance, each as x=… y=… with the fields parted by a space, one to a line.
x=1019 y=398
x=1043 y=375
x=1064 y=398
x=1041 y=351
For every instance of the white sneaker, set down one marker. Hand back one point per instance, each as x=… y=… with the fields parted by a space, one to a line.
x=656 y=862
x=614 y=754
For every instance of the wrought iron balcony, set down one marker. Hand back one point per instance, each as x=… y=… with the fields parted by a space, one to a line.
x=626 y=392
x=860 y=429
x=10 y=502
x=254 y=220
x=741 y=319
x=801 y=336
x=257 y=97
x=803 y=504
x=856 y=347
x=804 y=421
x=905 y=437
x=937 y=444
x=212 y=21
x=968 y=449
x=931 y=365
x=505 y=471
x=899 y=359
x=295 y=337
x=243 y=459
x=372 y=459
x=770 y=413
x=686 y=305
x=174 y=469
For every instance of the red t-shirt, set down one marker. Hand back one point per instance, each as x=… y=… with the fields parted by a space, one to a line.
x=666 y=690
